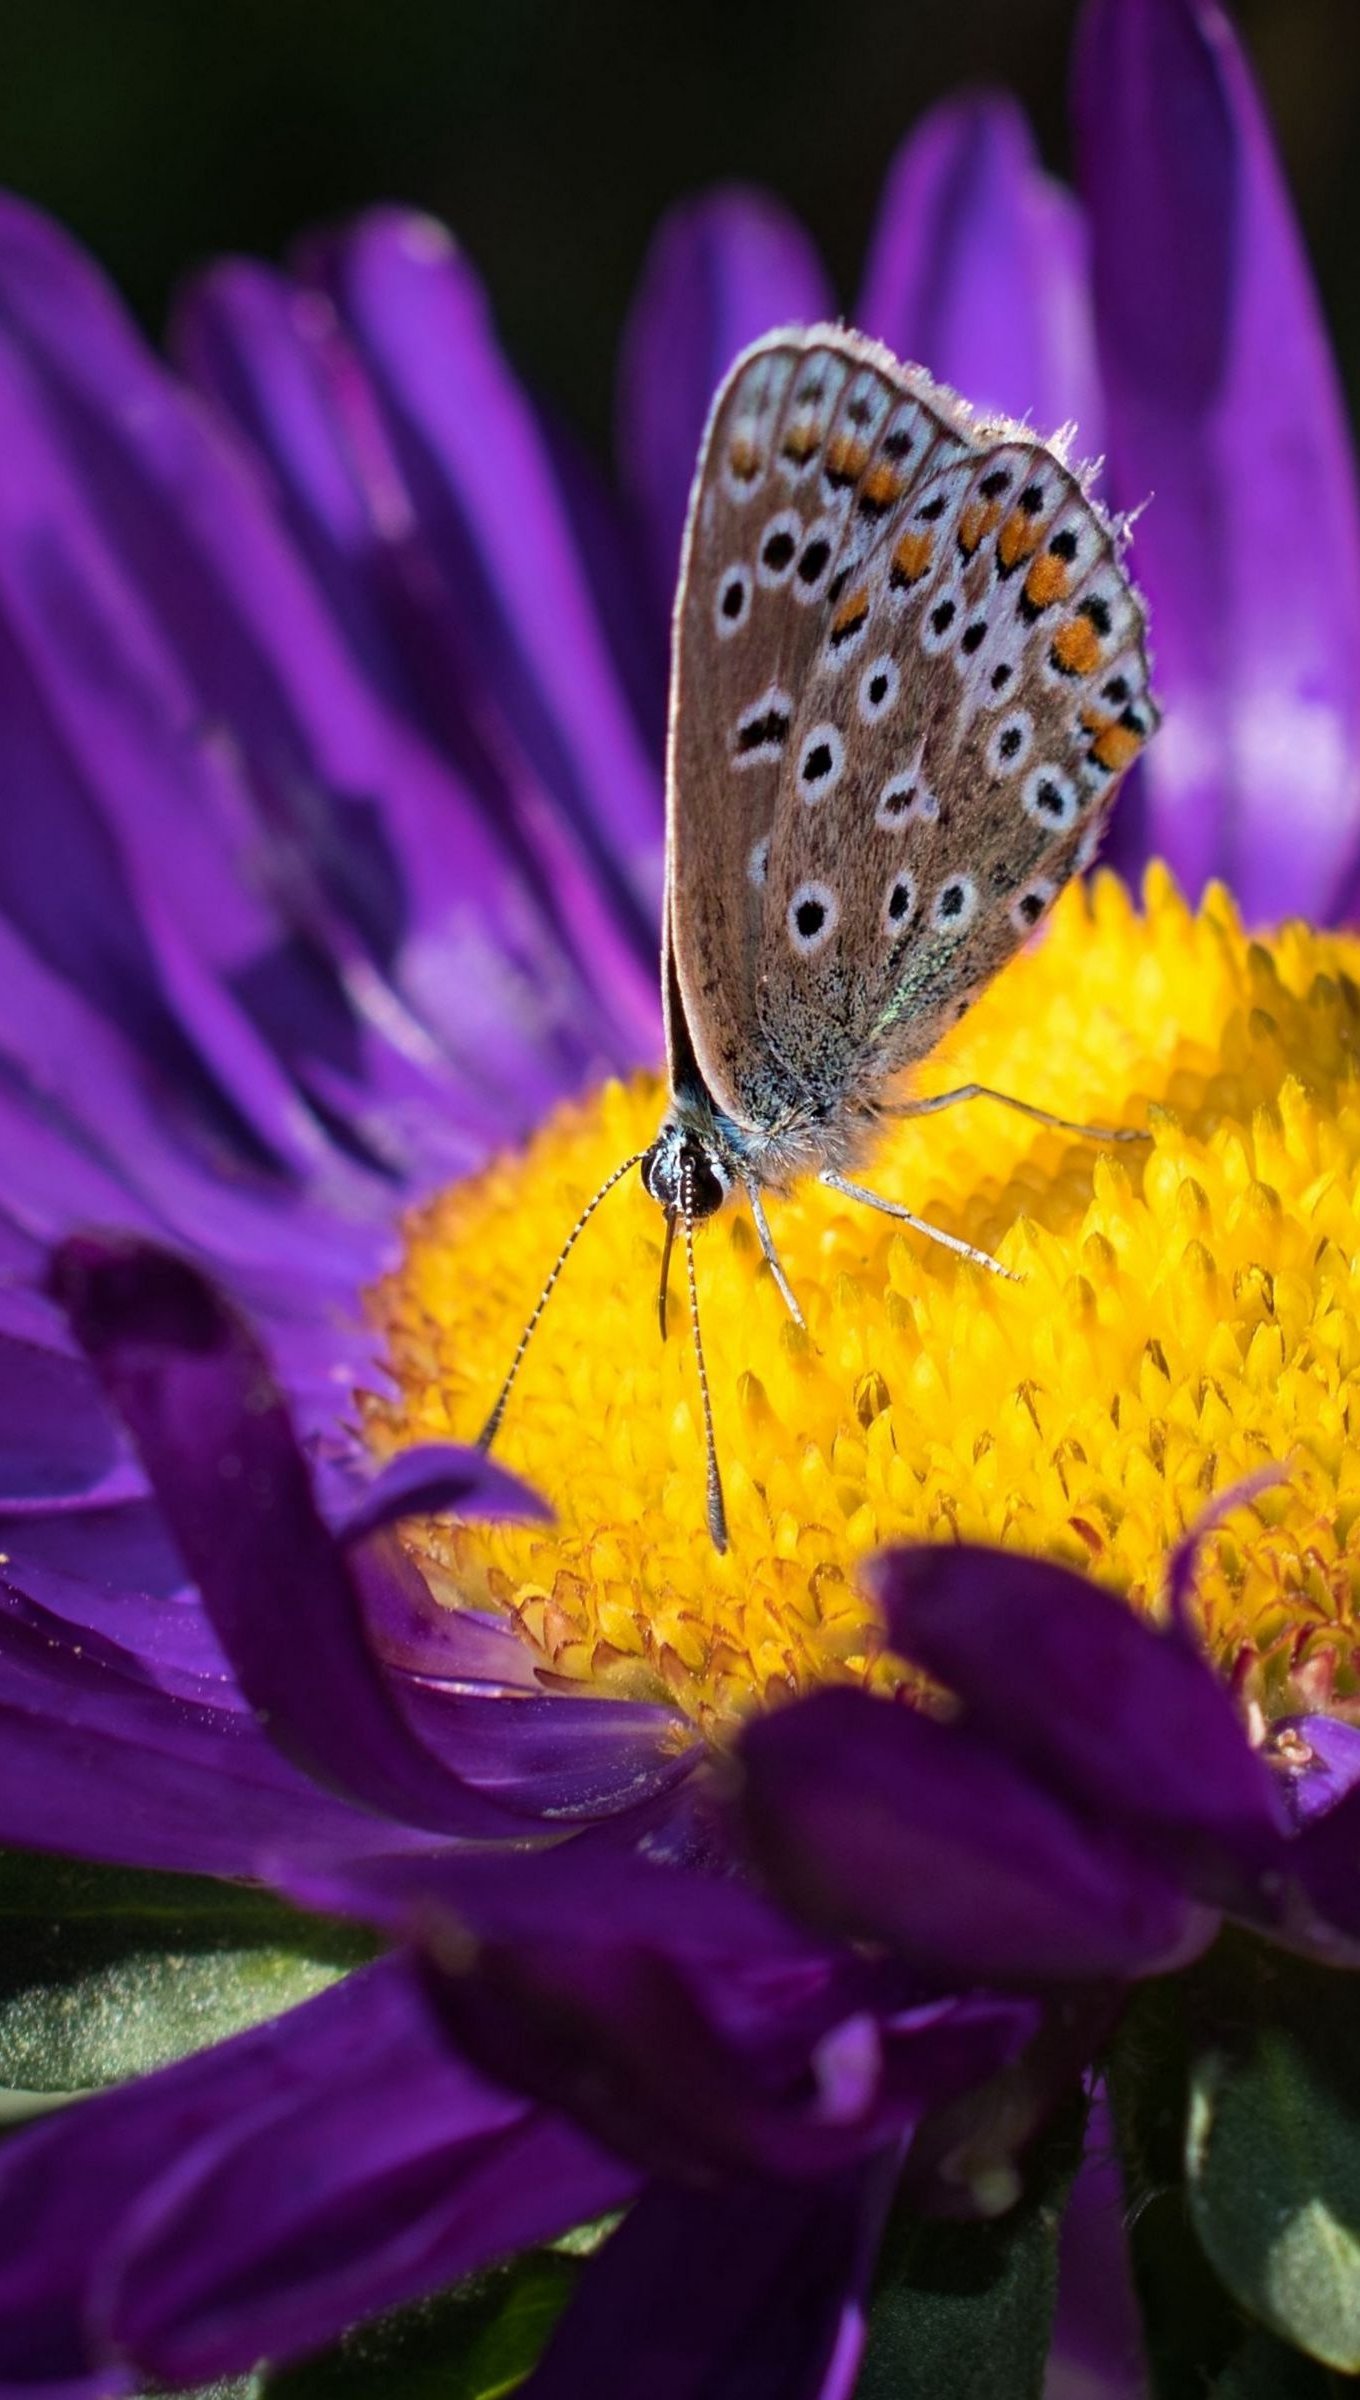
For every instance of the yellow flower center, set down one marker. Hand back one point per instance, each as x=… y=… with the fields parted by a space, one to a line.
x=1188 y=1311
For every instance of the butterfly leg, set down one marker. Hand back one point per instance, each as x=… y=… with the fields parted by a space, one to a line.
x=890 y=1208
x=1026 y=1108
x=772 y=1261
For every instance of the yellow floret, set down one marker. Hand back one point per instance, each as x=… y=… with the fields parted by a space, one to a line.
x=1188 y=1311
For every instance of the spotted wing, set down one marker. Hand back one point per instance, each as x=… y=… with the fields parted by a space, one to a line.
x=976 y=683
x=767 y=522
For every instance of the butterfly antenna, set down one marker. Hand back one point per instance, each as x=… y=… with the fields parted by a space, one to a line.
x=665 y=1271
x=717 y=1513
x=493 y=1423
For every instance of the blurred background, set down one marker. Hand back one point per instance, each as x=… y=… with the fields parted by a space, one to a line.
x=551 y=133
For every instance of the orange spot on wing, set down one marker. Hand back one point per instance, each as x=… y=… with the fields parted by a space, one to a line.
x=744 y=459
x=911 y=557
x=852 y=612
x=800 y=442
x=1046 y=582
x=976 y=523
x=1116 y=748
x=881 y=486
x=846 y=459
x=1019 y=538
x=1076 y=647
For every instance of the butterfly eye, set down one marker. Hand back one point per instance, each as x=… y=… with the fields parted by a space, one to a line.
x=1050 y=797
x=879 y=686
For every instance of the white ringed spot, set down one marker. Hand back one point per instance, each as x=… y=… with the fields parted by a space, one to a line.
x=820 y=762
x=732 y=601
x=955 y=904
x=879 y=686
x=813 y=915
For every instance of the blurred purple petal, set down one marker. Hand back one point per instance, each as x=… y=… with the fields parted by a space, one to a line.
x=683 y=2020
x=1131 y=1725
x=759 y=2289
x=978 y=270
x=876 y=1822
x=472 y=459
x=191 y=1384
x=1097 y=2346
x=261 y=2195
x=1223 y=408
x=276 y=358
x=722 y=269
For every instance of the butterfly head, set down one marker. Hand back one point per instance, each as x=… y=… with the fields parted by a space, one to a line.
x=685 y=1171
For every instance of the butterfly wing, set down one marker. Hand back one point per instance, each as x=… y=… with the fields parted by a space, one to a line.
x=937 y=689
x=748 y=625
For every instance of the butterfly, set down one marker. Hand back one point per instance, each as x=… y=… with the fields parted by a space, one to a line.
x=908 y=672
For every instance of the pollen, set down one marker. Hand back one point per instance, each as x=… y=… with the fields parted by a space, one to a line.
x=1187 y=1311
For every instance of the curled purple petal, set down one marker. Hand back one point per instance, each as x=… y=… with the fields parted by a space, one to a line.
x=978 y=270
x=1130 y=1724
x=1224 y=408
x=722 y=269
x=190 y=1382
x=435 y=1477
x=876 y=1822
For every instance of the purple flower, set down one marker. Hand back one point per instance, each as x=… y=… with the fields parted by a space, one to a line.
x=331 y=689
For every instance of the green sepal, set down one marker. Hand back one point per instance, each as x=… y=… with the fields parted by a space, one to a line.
x=107 y=1972
x=965 y=2311
x=475 y=2343
x=1273 y=2147
x=1191 y=2326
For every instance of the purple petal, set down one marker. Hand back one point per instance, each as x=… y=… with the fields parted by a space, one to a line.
x=1127 y=1723
x=434 y=1477
x=722 y=269
x=978 y=270
x=56 y=1436
x=1317 y=1760
x=472 y=459
x=98 y=1760
x=194 y=1389
x=1097 y=2347
x=755 y=2289
x=1223 y=405
x=326 y=856
x=872 y=1820
x=275 y=356
x=261 y=2196
x=676 y=2014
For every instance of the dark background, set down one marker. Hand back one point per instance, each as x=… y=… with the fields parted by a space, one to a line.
x=551 y=135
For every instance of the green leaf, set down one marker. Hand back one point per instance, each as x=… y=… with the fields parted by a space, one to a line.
x=1191 y=2327
x=1266 y=2369
x=476 y=2343
x=1273 y=2152
x=108 y=1972
x=965 y=2312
